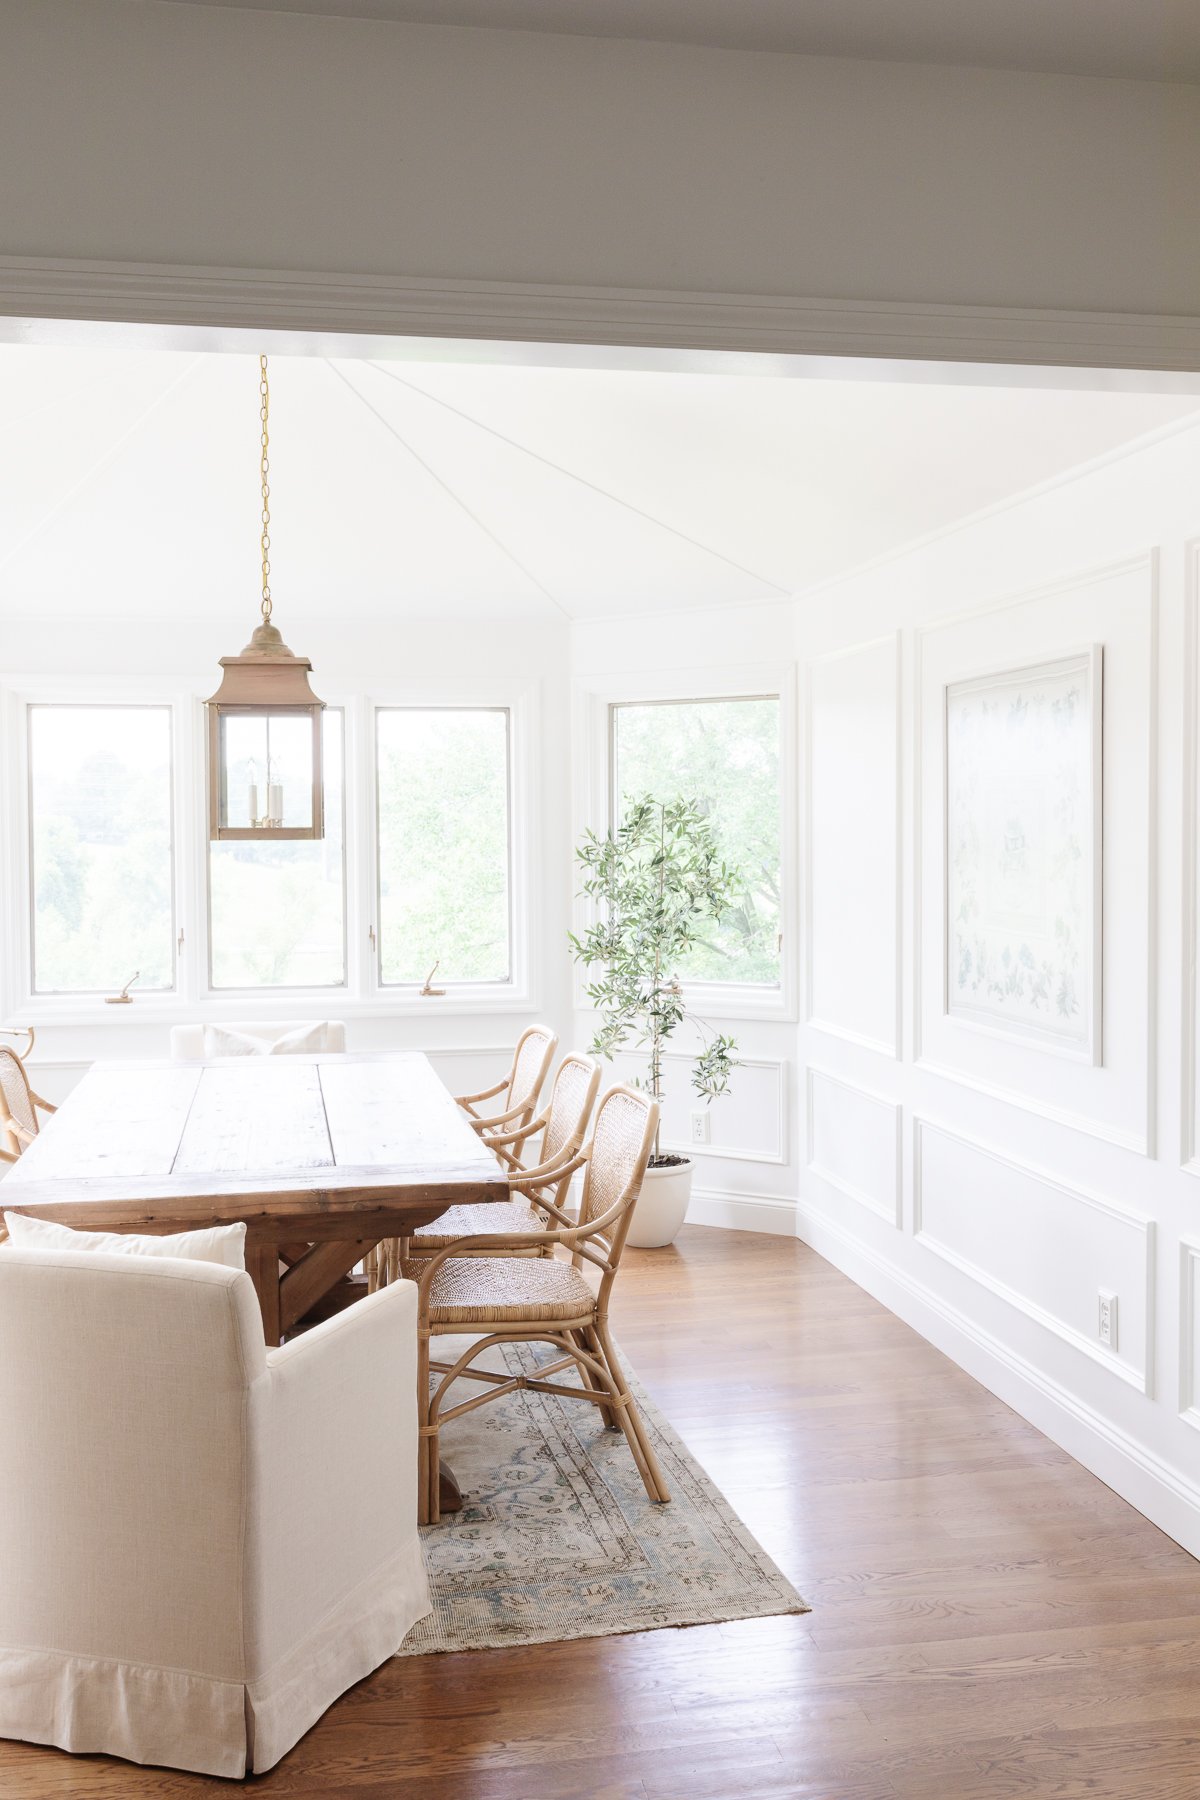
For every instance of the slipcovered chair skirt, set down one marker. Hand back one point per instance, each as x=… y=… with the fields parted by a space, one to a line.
x=204 y=1542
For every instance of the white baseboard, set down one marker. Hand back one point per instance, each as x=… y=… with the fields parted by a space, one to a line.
x=1164 y=1493
x=742 y=1212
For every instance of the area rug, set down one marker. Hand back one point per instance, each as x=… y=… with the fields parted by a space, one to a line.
x=556 y=1538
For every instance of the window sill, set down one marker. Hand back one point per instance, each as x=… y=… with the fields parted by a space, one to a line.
x=323 y=1003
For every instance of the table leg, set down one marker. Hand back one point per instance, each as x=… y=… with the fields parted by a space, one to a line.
x=450 y=1494
x=262 y=1266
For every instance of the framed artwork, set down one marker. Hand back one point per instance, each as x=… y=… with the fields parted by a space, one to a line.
x=1023 y=811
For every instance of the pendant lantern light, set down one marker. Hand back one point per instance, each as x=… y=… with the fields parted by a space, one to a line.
x=264 y=721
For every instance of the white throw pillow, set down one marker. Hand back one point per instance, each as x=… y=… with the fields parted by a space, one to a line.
x=222 y=1040
x=225 y=1244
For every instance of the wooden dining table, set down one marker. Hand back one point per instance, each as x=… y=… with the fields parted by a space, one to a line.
x=322 y=1156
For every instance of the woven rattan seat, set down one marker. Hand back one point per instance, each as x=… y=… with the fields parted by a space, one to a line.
x=505 y=1216
x=490 y=1290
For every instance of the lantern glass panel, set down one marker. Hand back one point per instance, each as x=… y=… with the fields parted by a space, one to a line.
x=266 y=770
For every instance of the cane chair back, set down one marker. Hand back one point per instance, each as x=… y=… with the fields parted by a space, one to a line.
x=616 y=1162
x=571 y=1102
x=19 y=1105
x=517 y=1092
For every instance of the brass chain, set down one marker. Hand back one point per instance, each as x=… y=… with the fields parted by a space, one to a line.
x=264 y=408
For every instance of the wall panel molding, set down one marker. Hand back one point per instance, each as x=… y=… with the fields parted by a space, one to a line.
x=776 y=1152
x=1189 y=1329
x=891 y=1046
x=1141 y=1229
x=887 y=1205
x=1188 y=1070
x=1143 y=1142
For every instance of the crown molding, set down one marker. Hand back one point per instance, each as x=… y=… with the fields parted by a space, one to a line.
x=36 y=289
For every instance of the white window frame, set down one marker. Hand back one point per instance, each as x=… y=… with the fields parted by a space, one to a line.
x=520 y=701
x=193 y=998
x=594 y=697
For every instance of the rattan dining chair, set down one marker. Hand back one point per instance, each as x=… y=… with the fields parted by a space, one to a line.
x=473 y=1288
x=521 y=1087
x=19 y=1105
x=539 y=1186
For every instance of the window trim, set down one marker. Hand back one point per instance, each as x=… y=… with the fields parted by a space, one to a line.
x=446 y=981
x=595 y=697
x=193 y=999
x=30 y=908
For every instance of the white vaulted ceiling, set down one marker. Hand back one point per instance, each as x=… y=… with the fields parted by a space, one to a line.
x=128 y=481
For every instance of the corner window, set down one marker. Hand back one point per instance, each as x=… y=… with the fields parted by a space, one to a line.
x=725 y=756
x=101 y=853
x=444 y=857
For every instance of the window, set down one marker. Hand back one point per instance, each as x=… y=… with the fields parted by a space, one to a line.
x=100 y=848
x=443 y=826
x=277 y=912
x=723 y=754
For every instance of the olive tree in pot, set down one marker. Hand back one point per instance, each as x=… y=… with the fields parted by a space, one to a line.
x=656 y=883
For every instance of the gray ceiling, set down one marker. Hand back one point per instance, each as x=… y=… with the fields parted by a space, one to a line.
x=1158 y=40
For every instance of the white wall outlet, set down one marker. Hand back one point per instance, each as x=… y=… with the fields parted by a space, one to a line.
x=1107 y=1321
x=701 y=1127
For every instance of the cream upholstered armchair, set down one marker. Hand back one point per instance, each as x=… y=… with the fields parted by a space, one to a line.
x=205 y=1542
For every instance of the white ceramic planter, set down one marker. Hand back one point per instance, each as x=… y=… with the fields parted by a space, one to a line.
x=661 y=1206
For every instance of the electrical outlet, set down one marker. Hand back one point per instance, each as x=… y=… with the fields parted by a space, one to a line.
x=1108 y=1319
x=701 y=1127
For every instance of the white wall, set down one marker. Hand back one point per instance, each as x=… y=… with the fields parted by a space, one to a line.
x=201 y=138
x=984 y=1188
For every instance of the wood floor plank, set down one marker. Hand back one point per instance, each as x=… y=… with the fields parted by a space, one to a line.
x=990 y=1621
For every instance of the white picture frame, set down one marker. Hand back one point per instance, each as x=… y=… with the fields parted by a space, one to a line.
x=1023 y=817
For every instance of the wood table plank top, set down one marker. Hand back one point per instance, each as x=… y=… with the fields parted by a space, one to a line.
x=257 y=1138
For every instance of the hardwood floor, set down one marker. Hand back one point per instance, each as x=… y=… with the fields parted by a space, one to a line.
x=988 y=1619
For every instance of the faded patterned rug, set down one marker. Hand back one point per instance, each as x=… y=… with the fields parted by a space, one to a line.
x=556 y=1538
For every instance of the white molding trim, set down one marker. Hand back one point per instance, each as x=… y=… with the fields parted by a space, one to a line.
x=1040 y=1109
x=725 y=1210
x=1144 y=1141
x=1142 y=1380
x=1189 y=1328
x=1167 y=1495
x=272 y=299
x=1191 y=850
x=777 y=1157
x=892 y=1215
x=880 y=1046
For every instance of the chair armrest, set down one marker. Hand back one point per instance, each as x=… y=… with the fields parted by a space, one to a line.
x=468 y=1100
x=336 y=1494
x=504 y=1118
x=497 y=1139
